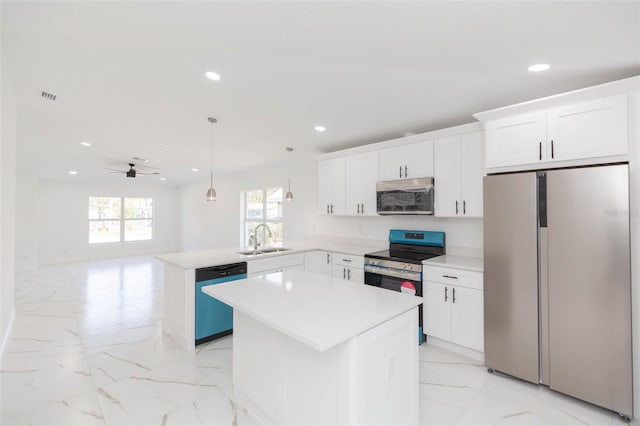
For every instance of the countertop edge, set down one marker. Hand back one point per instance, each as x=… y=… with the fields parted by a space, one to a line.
x=465 y=263
x=301 y=338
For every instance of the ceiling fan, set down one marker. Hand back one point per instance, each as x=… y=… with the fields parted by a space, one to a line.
x=132 y=172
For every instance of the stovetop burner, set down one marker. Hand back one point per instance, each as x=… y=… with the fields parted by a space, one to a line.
x=401 y=256
x=411 y=246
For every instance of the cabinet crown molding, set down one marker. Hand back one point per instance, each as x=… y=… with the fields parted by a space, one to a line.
x=405 y=140
x=613 y=88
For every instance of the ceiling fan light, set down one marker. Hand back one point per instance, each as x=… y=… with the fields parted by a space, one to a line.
x=211 y=194
x=288 y=197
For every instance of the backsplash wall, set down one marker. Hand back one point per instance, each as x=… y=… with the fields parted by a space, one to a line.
x=459 y=232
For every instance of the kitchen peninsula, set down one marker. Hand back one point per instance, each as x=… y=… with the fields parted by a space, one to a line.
x=180 y=274
x=312 y=349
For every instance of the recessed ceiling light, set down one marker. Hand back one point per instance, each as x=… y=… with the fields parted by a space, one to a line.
x=194 y=170
x=319 y=129
x=163 y=178
x=539 y=67
x=212 y=75
x=73 y=172
x=85 y=144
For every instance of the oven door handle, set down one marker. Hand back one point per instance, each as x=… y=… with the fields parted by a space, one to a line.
x=391 y=272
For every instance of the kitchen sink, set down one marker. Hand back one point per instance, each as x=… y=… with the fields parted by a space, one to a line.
x=263 y=251
x=274 y=250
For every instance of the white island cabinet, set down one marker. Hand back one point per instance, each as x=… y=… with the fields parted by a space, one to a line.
x=311 y=349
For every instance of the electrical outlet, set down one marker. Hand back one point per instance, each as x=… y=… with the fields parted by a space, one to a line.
x=391 y=366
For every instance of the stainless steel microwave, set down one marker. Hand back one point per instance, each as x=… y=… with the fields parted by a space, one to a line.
x=405 y=196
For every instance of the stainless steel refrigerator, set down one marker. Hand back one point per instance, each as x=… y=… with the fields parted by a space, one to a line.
x=557 y=289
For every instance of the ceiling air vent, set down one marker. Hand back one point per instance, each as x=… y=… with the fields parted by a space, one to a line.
x=48 y=96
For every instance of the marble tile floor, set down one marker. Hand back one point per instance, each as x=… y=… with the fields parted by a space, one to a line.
x=87 y=348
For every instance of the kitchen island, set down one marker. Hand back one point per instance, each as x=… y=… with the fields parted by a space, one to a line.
x=311 y=349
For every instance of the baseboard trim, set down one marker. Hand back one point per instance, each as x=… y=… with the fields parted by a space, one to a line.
x=5 y=338
x=462 y=350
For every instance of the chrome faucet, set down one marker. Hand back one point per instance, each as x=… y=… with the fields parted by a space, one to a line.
x=255 y=236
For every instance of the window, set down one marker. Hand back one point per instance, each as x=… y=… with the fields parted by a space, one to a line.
x=115 y=219
x=262 y=206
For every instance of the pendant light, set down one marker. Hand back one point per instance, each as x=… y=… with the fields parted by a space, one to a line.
x=211 y=193
x=289 y=197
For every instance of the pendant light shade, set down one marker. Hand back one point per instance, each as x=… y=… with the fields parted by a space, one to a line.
x=211 y=192
x=288 y=198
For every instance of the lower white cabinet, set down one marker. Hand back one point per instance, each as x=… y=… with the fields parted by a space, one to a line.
x=338 y=265
x=275 y=264
x=318 y=262
x=347 y=267
x=453 y=307
x=348 y=273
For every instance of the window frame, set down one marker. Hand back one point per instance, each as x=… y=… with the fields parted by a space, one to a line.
x=244 y=235
x=123 y=220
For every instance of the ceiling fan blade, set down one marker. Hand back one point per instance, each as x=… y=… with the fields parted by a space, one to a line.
x=116 y=170
x=147 y=173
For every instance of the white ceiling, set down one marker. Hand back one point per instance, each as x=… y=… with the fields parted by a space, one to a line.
x=129 y=76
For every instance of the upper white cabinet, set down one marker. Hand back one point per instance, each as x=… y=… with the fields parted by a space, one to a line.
x=459 y=168
x=361 y=177
x=516 y=140
x=331 y=186
x=578 y=131
x=407 y=161
x=589 y=129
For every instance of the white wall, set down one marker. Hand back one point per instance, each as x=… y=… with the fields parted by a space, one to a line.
x=63 y=227
x=7 y=195
x=217 y=224
x=26 y=254
x=460 y=233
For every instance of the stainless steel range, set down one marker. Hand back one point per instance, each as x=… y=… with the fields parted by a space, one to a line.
x=400 y=267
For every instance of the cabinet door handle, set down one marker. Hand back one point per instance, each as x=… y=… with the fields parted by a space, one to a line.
x=454 y=295
x=346 y=260
x=344 y=273
x=464 y=206
x=405 y=171
x=552 y=156
x=348 y=274
x=327 y=208
x=540 y=150
x=456 y=206
x=358 y=207
x=331 y=208
x=453 y=277
x=362 y=208
x=328 y=259
x=446 y=294
x=400 y=171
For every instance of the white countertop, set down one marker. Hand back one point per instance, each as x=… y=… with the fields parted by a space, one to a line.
x=315 y=309
x=475 y=264
x=204 y=258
